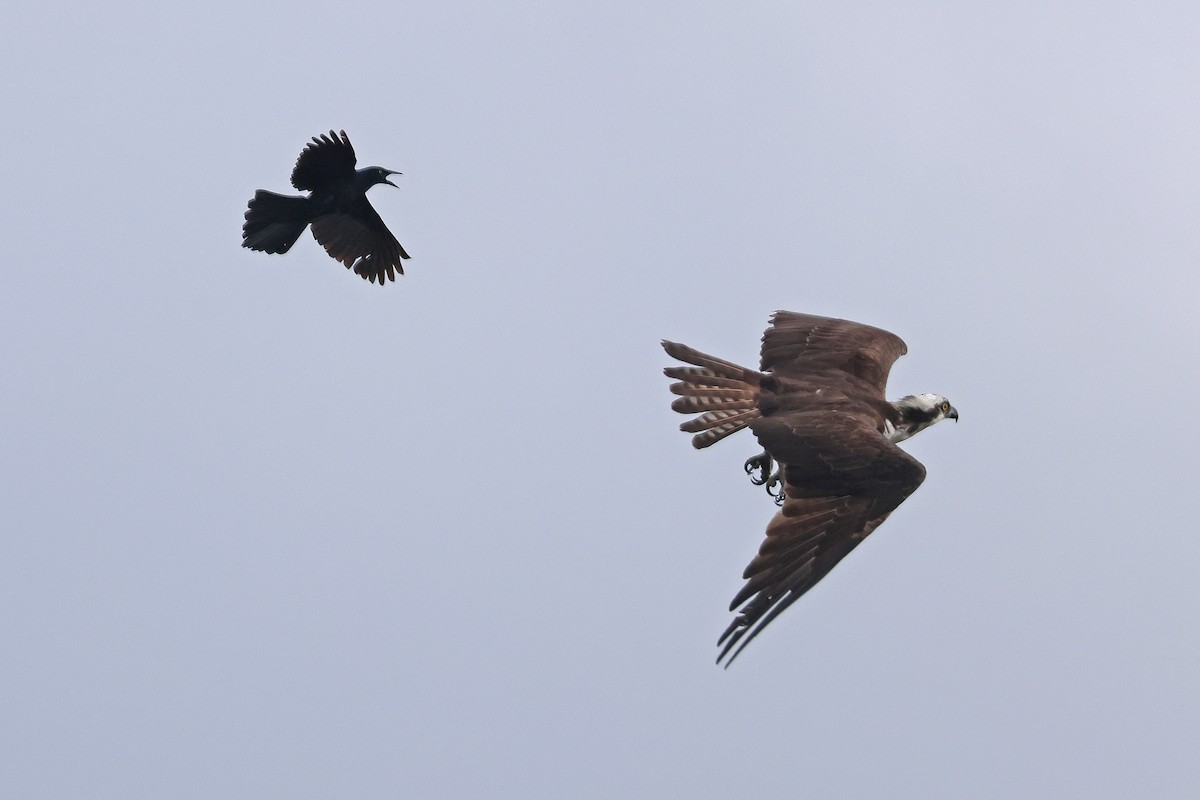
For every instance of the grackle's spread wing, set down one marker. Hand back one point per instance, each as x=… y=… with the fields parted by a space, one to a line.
x=358 y=238
x=327 y=162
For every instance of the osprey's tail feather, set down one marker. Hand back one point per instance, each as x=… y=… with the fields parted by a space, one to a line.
x=722 y=393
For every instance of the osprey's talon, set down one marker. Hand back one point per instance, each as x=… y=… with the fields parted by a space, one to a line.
x=759 y=468
x=762 y=464
x=775 y=487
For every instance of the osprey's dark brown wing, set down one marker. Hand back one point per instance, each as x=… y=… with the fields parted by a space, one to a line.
x=811 y=363
x=804 y=345
x=328 y=161
x=843 y=478
x=360 y=240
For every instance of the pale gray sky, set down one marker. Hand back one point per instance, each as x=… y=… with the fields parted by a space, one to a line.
x=270 y=531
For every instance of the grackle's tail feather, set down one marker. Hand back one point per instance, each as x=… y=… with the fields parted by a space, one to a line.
x=274 y=221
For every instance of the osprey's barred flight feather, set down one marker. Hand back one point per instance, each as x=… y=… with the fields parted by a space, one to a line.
x=818 y=409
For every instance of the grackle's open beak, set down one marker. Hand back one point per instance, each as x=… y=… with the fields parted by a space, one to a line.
x=391 y=172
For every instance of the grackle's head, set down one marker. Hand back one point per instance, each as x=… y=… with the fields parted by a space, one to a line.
x=373 y=175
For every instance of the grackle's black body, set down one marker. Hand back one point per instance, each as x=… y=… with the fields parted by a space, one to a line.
x=342 y=219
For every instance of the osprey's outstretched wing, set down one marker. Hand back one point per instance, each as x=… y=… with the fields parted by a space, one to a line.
x=803 y=346
x=843 y=478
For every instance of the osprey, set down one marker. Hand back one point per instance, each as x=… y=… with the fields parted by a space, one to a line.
x=818 y=409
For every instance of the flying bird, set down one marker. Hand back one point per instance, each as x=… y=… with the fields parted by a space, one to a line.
x=818 y=410
x=342 y=218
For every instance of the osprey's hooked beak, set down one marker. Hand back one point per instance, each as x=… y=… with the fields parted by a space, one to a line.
x=952 y=414
x=390 y=172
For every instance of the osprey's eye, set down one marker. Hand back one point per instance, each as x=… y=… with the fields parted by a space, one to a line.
x=945 y=406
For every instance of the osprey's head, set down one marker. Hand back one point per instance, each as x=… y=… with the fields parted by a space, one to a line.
x=917 y=412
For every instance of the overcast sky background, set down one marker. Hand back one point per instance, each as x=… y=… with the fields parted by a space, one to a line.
x=270 y=531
